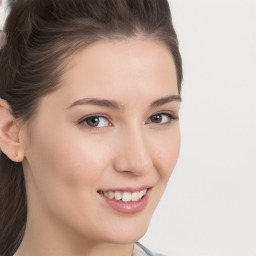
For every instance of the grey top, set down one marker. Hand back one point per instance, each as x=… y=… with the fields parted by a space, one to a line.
x=140 y=250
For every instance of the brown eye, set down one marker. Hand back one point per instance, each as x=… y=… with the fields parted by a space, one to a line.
x=95 y=121
x=156 y=118
x=162 y=118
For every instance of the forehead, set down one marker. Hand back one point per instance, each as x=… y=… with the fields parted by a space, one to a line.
x=122 y=61
x=133 y=73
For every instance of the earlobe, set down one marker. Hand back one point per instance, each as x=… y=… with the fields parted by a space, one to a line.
x=9 y=134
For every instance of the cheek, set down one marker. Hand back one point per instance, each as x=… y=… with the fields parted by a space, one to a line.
x=66 y=157
x=167 y=152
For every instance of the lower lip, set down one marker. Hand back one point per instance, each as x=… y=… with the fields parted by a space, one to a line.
x=127 y=207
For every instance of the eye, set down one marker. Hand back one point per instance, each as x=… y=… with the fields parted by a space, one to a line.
x=95 y=121
x=162 y=118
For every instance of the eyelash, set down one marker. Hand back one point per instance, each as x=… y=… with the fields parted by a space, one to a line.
x=82 y=121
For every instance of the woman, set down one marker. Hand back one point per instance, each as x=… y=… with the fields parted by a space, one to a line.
x=89 y=130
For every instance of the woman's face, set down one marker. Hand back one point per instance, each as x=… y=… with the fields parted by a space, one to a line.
x=111 y=130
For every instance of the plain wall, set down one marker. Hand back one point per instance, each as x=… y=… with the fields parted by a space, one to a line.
x=2 y=13
x=209 y=208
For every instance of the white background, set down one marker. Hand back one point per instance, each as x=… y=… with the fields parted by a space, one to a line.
x=209 y=208
x=2 y=13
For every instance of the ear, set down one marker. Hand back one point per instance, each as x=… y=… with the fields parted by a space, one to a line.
x=9 y=134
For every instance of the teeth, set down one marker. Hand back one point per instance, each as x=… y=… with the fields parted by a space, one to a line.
x=118 y=195
x=136 y=196
x=125 y=196
x=143 y=192
x=111 y=195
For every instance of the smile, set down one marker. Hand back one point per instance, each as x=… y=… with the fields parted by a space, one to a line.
x=128 y=201
x=124 y=196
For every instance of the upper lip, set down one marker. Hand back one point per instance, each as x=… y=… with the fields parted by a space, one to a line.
x=126 y=189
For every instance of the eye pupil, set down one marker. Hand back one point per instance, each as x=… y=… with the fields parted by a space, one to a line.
x=156 y=118
x=93 y=121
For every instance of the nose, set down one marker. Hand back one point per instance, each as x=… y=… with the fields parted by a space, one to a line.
x=133 y=154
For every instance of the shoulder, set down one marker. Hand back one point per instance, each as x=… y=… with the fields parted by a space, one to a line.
x=147 y=251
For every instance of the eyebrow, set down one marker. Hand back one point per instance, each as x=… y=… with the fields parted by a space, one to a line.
x=164 y=100
x=98 y=102
x=117 y=106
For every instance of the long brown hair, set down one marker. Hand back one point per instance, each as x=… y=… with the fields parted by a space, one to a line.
x=41 y=35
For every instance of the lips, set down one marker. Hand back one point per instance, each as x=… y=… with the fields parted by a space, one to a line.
x=126 y=200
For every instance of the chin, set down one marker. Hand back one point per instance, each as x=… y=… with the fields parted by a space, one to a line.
x=126 y=234
x=127 y=237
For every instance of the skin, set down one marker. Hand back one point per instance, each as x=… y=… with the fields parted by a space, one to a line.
x=66 y=163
